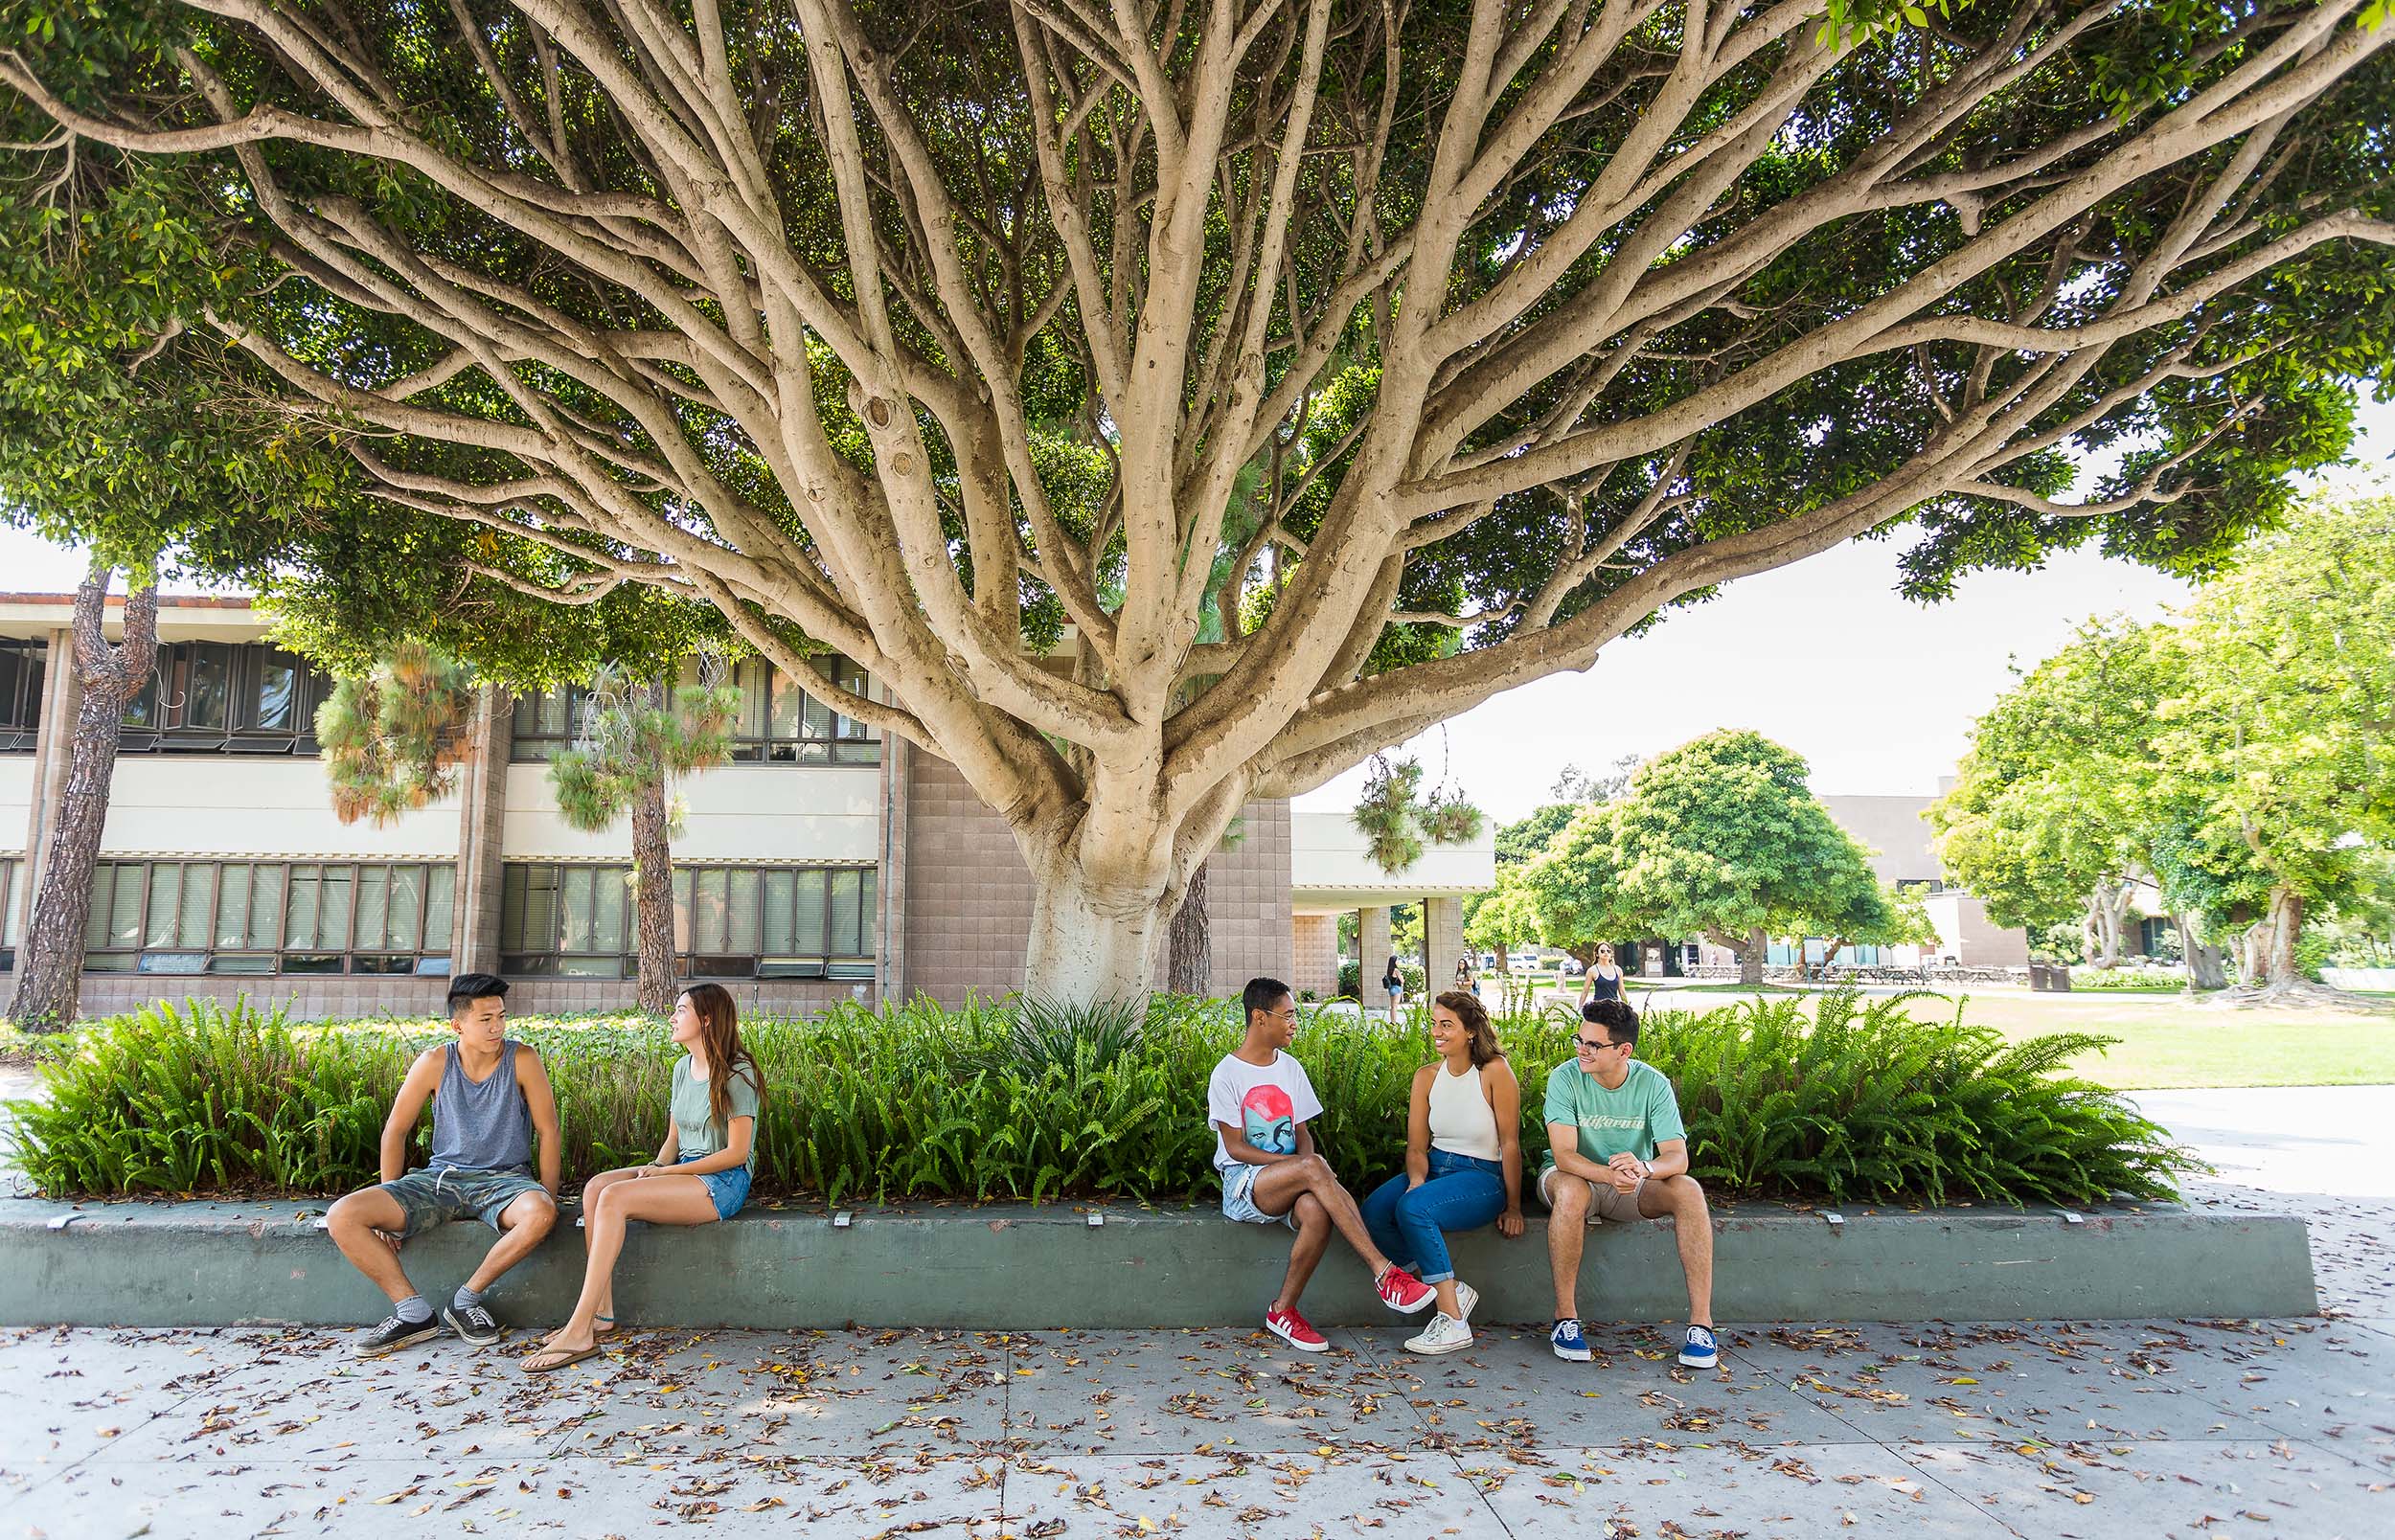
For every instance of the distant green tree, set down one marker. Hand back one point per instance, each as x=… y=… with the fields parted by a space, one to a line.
x=1497 y=920
x=636 y=737
x=2280 y=733
x=1720 y=837
x=1524 y=840
x=2053 y=811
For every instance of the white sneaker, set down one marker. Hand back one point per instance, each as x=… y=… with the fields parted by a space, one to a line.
x=1466 y=1297
x=1444 y=1335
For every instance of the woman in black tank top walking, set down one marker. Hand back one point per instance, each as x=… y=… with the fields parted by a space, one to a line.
x=1604 y=981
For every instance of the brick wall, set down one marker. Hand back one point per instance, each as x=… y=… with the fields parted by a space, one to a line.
x=303 y=998
x=968 y=895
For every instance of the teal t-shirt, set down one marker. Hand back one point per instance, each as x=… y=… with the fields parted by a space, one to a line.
x=1631 y=1120
x=694 y=1131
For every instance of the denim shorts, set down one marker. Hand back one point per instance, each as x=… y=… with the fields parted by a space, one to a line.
x=1239 y=1180
x=435 y=1197
x=728 y=1188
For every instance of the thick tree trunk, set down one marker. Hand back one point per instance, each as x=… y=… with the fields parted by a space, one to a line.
x=1189 y=966
x=1750 y=956
x=1089 y=945
x=653 y=860
x=2100 y=927
x=2207 y=964
x=2253 y=950
x=2286 y=923
x=50 y=963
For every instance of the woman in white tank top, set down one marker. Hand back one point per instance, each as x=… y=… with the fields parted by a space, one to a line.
x=1463 y=1164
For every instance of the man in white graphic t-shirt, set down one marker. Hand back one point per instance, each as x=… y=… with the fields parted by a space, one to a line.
x=1260 y=1102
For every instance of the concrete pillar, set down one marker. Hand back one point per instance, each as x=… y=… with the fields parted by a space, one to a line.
x=890 y=953
x=53 y=746
x=1372 y=955
x=1441 y=944
x=1314 y=954
x=481 y=836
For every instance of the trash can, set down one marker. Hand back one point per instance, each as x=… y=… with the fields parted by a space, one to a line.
x=2058 y=978
x=2039 y=977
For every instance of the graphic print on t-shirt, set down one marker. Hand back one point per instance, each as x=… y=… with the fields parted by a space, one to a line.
x=1269 y=1119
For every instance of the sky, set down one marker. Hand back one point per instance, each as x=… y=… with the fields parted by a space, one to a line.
x=1877 y=692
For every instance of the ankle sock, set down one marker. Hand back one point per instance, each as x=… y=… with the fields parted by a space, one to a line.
x=414 y=1310
x=465 y=1299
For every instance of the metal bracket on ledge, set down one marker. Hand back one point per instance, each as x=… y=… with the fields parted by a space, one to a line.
x=2070 y=1219
x=1834 y=1220
x=66 y=1219
x=841 y=1220
x=1097 y=1221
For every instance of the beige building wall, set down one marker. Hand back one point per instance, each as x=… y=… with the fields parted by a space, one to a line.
x=970 y=894
x=737 y=813
x=266 y=806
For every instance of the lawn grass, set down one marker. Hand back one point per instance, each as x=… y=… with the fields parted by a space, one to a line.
x=2175 y=1043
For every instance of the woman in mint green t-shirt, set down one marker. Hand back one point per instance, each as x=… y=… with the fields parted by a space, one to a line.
x=701 y=1175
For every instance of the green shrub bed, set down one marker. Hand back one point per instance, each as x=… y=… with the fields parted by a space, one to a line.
x=1858 y=1098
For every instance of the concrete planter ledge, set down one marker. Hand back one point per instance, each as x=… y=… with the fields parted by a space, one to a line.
x=1019 y=1267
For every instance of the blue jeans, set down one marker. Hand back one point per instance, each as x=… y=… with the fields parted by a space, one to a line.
x=1410 y=1225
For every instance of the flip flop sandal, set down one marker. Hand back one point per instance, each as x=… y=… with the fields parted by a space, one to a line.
x=562 y=1356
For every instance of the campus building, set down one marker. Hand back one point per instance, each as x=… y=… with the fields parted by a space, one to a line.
x=824 y=862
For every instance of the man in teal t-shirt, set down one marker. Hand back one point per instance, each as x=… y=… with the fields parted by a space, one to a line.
x=1618 y=1151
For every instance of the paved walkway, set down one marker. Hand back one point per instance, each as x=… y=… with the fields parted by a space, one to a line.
x=2180 y=1429
x=2035 y=1431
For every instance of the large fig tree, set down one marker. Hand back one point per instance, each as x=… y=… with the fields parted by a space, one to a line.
x=970 y=337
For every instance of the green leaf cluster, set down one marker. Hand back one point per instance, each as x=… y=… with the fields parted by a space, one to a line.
x=2242 y=748
x=1719 y=836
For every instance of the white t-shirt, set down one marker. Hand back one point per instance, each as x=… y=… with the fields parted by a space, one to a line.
x=1266 y=1103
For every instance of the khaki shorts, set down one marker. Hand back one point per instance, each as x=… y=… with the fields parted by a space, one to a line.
x=1605 y=1201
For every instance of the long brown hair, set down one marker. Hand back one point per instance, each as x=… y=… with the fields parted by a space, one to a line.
x=1474 y=1016
x=720 y=1030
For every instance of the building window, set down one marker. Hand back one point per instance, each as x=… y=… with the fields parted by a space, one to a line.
x=23 y=665
x=222 y=698
x=729 y=922
x=779 y=722
x=9 y=912
x=270 y=916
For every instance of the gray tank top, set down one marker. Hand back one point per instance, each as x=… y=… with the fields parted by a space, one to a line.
x=484 y=1127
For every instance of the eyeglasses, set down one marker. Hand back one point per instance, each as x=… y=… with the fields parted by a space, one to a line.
x=1587 y=1047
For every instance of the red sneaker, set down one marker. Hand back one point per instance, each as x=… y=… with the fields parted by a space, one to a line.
x=1296 y=1330
x=1400 y=1290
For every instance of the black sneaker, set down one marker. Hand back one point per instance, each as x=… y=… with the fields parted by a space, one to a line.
x=392 y=1335
x=475 y=1324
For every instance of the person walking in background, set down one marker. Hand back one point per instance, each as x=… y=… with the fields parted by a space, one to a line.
x=1464 y=979
x=1619 y=1152
x=1393 y=980
x=1463 y=1164
x=1602 y=981
x=701 y=1175
x=1259 y=1100
x=490 y=1097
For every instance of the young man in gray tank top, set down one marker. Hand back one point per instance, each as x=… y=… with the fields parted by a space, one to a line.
x=490 y=1097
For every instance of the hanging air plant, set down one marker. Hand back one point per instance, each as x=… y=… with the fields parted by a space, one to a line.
x=1396 y=818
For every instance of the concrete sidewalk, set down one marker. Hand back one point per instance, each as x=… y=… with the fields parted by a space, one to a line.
x=2127 y=1430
